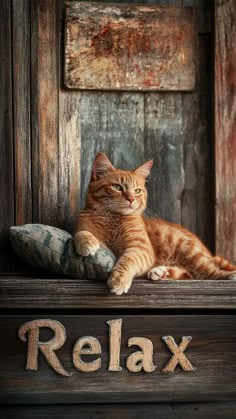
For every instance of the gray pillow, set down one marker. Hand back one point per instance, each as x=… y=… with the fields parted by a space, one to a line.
x=53 y=249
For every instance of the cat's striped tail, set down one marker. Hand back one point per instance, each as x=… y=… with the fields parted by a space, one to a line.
x=224 y=264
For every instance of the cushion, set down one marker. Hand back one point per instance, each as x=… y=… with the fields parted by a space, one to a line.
x=53 y=249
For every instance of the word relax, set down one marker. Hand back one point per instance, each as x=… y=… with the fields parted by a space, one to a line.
x=89 y=345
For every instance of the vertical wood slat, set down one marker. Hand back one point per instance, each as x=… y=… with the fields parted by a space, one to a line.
x=6 y=135
x=69 y=144
x=21 y=106
x=163 y=143
x=198 y=194
x=225 y=127
x=69 y=159
x=45 y=85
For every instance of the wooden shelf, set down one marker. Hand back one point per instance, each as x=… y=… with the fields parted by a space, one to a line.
x=60 y=293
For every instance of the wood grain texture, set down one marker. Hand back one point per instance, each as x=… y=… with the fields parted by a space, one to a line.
x=225 y=127
x=163 y=143
x=21 y=106
x=45 y=293
x=197 y=200
x=69 y=143
x=212 y=350
x=129 y=47
x=197 y=195
x=203 y=9
x=176 y=137
x=69 y=159
x=45 y=125
x=206 y=410
x=6 y=137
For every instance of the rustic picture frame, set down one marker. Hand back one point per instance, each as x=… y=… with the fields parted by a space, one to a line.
x=129 y=47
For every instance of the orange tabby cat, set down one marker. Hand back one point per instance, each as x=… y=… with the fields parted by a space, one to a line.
x=113 y=217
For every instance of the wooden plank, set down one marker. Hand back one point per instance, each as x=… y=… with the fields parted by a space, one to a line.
x=69 y=159
x=209 y=410
x=22 y=120
x=69 y=144
x=45 y=125
x=129 y=47
x=21 y=104
x=6 y=137
x=225 y=127
x=45 y=293
x=197 y=195
x=197 y=200
x=163 y=143
x=212 y=351
x=112 y=123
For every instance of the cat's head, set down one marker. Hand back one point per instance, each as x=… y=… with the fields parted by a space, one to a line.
x=117 y=191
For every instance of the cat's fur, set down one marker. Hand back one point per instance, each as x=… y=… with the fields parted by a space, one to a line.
x=113 y=217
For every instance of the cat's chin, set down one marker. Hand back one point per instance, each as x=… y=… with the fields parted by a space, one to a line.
x=129 y=211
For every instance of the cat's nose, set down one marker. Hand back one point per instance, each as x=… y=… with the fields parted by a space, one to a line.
x=130 y=199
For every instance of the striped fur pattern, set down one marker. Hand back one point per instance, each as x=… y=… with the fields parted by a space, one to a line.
x=114 y=217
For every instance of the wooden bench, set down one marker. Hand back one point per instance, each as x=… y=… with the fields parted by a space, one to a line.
x=204 y=310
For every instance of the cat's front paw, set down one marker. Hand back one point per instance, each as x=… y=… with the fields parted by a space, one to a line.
x=86 y=243
x=159 y=272
x=118 y=283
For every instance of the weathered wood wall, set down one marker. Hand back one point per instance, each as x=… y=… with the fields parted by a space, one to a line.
x=225 y=127
x=50 y=135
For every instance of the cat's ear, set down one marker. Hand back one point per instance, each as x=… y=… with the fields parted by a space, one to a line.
x=144 y=169
x=101 y=166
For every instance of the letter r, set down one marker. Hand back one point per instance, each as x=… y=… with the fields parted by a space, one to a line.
x=47 y=348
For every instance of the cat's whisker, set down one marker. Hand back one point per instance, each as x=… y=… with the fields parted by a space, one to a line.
x=149 y=212
x=149 y=215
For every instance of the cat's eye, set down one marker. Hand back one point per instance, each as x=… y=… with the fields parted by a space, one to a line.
x=137 y=191
x=116 y=187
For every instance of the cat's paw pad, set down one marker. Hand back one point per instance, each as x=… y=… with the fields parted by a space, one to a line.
x=117 y=284
x=86 y=245
x=159 y=272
